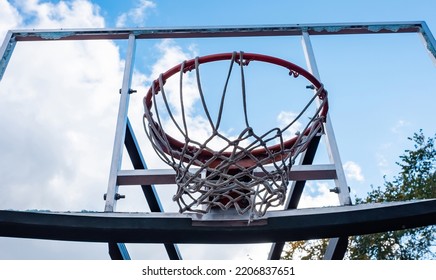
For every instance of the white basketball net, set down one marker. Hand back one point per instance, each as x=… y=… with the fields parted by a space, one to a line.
x=207 y=179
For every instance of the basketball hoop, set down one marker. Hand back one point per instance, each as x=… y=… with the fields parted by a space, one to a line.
x=249 y=177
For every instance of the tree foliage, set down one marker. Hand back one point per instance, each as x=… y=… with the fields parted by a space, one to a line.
x=416 y=180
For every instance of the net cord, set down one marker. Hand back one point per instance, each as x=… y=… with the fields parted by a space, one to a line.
x=210 y=185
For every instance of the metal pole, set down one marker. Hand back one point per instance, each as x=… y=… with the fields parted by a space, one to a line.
x=428 y=40
x=120 y=131
x=332 y=148
x=337 y=246
x=6 y=50
x=295 y=192
x=149 y=191
x=218 y=31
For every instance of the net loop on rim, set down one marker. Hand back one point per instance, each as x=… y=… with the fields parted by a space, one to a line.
x=249 y=173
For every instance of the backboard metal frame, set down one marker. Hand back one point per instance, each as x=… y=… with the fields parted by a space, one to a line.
x=386 y=217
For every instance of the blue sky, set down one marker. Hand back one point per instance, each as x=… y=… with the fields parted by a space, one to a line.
x=380 y=89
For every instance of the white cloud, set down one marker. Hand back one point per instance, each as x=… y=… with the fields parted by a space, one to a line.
x=171 y=55
x=383 y=162
x=137 y=15
x=63 y=14
x=399 y=125
x=353 y=171
x=57 y=113
x=318 y=195
x=284 y=119
x=9 y=18
x=58 y=109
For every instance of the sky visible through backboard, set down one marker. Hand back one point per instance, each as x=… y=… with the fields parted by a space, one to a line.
x=59 y=101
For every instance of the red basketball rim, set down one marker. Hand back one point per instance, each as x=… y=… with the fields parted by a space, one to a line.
x=259 y=153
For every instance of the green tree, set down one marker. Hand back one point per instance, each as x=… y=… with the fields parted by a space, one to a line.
x=416 y=180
